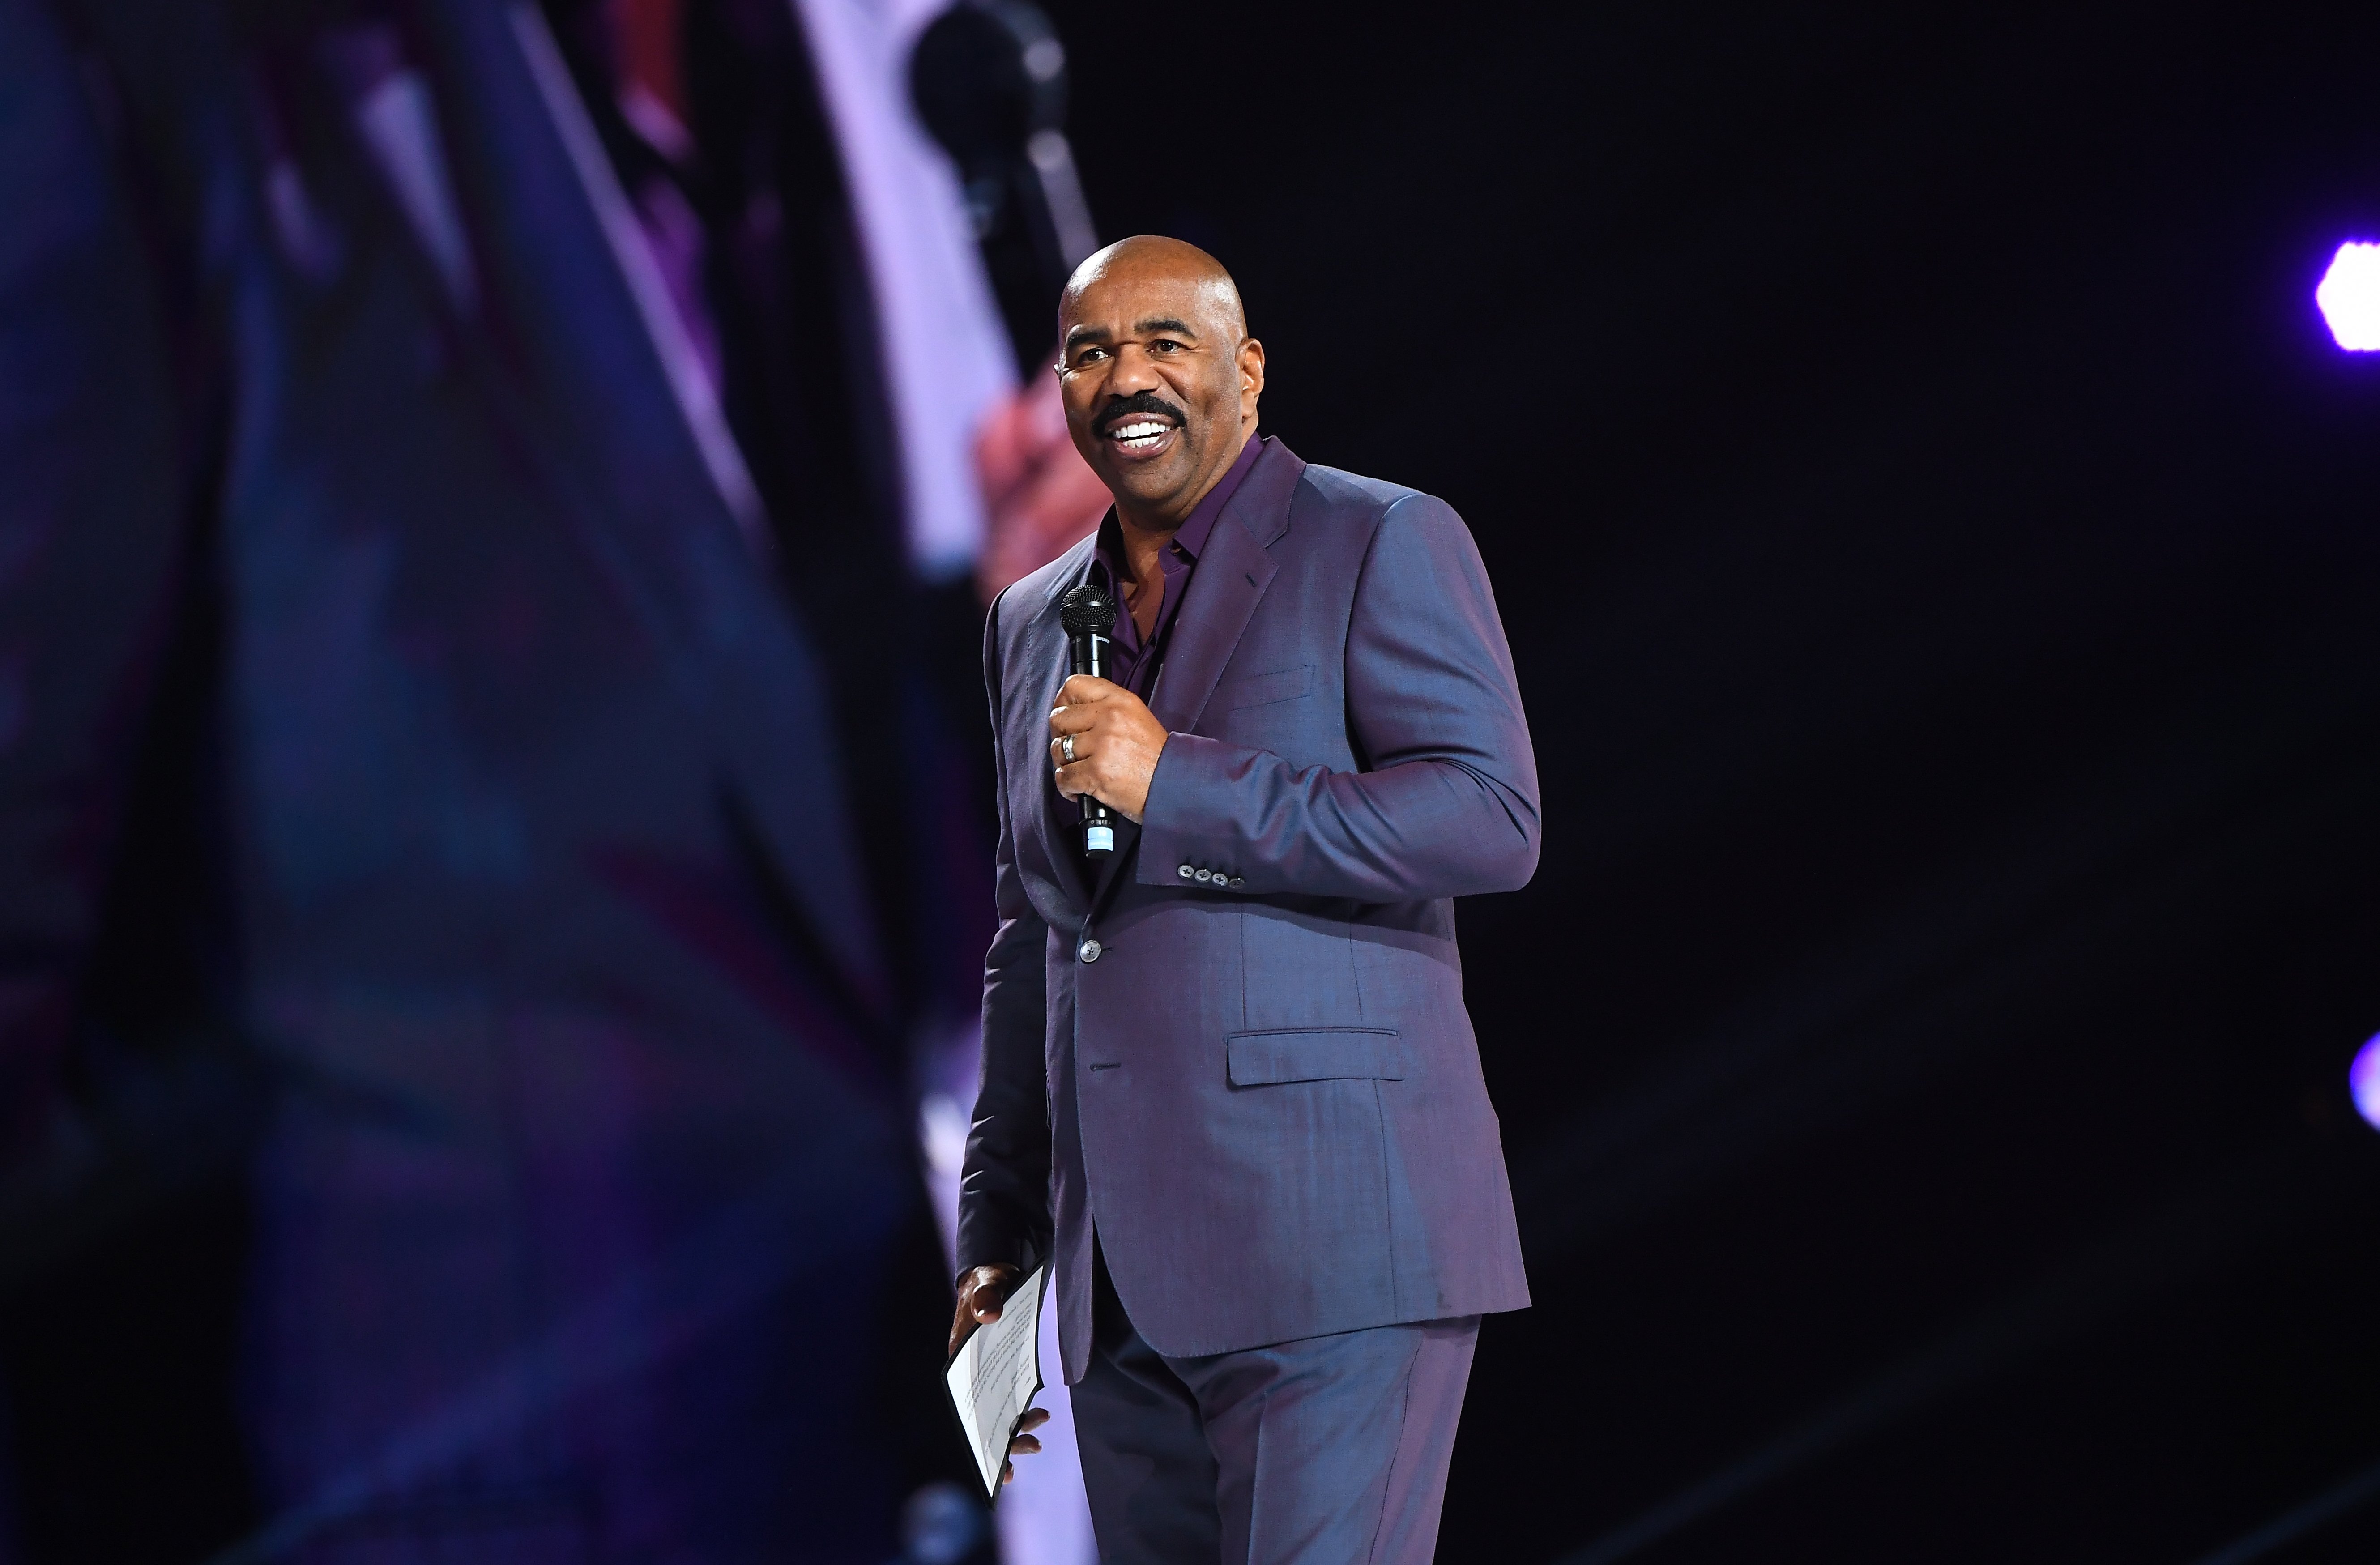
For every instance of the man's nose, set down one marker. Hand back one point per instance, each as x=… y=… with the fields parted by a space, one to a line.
x=1135 y=369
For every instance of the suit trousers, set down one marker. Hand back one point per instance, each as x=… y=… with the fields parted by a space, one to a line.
x=1331 y=1450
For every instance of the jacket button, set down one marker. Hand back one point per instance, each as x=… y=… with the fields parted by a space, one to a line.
x=1237 y=883
x=1185 y=872
x=1088 y=951
x=1204 y=875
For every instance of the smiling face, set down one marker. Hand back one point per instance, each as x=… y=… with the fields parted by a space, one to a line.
x=1161 y=378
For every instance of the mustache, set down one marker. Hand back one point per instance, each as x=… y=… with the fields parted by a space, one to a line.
x=1144 y=404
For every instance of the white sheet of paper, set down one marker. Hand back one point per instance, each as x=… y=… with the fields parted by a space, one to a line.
x=996 y=1375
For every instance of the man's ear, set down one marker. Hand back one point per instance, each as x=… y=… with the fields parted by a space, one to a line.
x=1252 y=368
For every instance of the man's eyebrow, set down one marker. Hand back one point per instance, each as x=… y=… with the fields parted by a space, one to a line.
x=1086 y=333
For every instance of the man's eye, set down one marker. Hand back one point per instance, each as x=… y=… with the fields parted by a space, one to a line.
x=1090 y=355
x=1164 y=345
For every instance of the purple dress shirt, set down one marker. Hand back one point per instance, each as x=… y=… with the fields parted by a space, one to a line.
x=1135 y=661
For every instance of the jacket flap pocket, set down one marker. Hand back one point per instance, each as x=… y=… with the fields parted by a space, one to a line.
x=1263 y=689
x=1317 y=1054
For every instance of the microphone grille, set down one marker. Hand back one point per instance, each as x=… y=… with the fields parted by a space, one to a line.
x=1088 y=609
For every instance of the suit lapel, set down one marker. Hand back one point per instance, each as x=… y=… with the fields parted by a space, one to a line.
x=1223 y=596
x=391 y=111
x=602 y=410
x=1225 y=588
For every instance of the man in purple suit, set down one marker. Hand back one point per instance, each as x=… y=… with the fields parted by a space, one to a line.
x=1229 y=1088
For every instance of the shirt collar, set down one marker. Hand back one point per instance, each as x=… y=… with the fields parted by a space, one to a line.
x=1191 y=538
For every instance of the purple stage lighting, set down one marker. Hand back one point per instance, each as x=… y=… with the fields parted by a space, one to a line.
x=2348 y=297
x=2363 y=1081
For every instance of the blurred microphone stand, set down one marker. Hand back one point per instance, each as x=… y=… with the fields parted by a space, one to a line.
x=989 y=78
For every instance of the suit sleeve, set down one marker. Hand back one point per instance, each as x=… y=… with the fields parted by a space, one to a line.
x=1004 y=1188
x=1446 y=803
x=89 y=525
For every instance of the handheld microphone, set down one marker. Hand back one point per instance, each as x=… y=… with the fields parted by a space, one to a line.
x=1089 y=616
x=988 y=80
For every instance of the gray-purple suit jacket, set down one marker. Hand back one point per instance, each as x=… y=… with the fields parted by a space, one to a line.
x=1261 y=1085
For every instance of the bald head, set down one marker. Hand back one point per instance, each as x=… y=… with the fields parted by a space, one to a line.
x=1153 y=257
x=1160 y=377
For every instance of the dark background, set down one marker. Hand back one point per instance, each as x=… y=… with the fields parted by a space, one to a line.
x=1938 y=542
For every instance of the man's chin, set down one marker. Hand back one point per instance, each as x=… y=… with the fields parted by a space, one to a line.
x=1148 y=485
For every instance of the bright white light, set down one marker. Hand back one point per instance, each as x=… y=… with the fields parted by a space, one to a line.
x=2363 y=1081
x=2348 y=297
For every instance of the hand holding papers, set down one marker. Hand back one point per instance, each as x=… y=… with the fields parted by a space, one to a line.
x=994 y=1378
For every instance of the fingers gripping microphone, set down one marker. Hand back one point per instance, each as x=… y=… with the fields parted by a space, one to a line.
x=1089 y=616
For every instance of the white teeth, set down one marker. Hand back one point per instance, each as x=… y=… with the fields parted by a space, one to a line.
x=1138 y=431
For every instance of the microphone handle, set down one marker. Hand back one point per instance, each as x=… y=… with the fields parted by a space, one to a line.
x=1090 y=656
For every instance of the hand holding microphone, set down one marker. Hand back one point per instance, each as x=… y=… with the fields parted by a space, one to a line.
x=1113 y=741
x=1103 y=740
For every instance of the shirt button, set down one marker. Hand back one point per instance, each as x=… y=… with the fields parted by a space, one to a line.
x=1237 y=883
x=1088 y=951
x=1184 y=872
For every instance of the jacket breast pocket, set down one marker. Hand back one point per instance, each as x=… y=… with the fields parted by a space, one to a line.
x=1314 y=1054
x=1263 y=689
